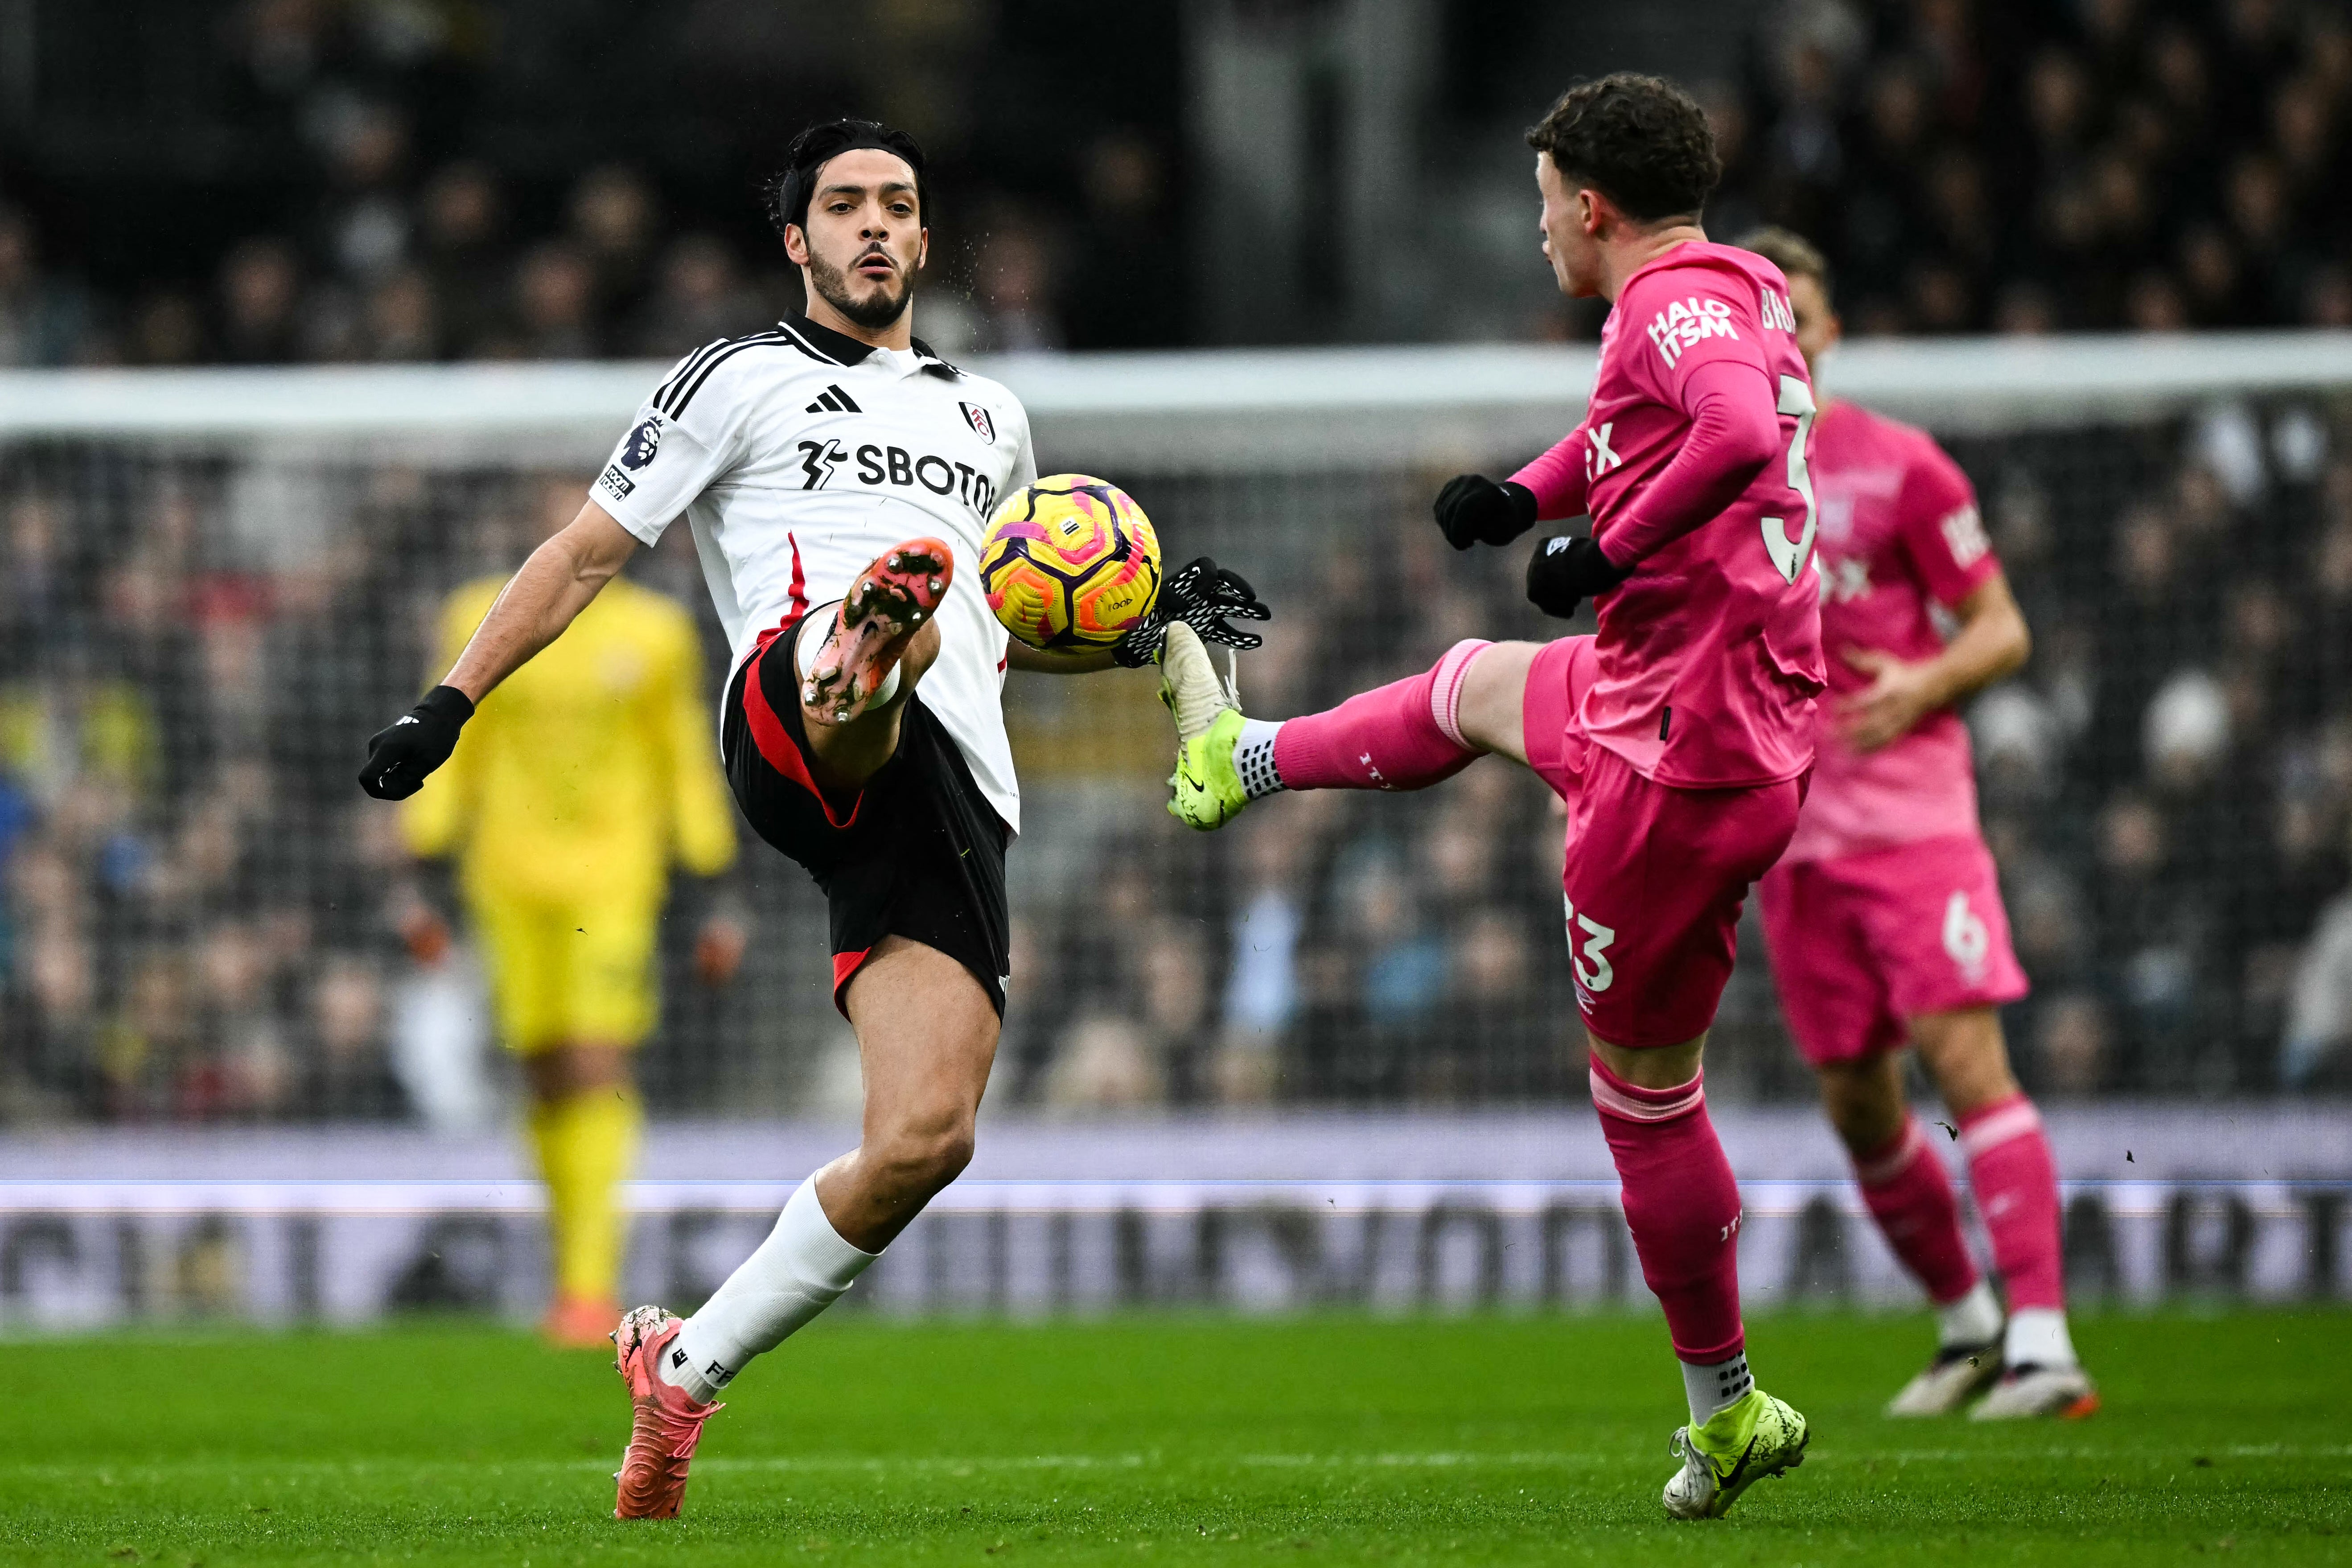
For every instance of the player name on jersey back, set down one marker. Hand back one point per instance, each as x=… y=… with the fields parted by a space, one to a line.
x=799 y=454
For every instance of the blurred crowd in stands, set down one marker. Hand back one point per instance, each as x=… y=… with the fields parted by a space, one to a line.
x=2168 y=785
x=390 y=272
x=1969 y=166
x=2167 y=788
x=1358 y=947
x=203 y=919
x=406 y=221
x=1976 y=166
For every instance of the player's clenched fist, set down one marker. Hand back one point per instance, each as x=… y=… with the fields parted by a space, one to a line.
x=1565 y=571
x=420 y=740
x=1475 y=510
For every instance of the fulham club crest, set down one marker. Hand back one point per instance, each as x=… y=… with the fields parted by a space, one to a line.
x=977 y=417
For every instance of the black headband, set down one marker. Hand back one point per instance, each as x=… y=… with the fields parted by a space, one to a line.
x=812 y=149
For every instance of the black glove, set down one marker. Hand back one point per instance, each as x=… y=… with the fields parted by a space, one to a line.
x=1207 y=598
x=1474 y=511
x=416 y=744
x=1565 y=571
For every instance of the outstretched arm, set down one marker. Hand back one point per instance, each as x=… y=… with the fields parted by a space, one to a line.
x=553 y=588
x=543 y=599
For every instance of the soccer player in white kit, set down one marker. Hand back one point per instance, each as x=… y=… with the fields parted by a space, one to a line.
x=837 y=476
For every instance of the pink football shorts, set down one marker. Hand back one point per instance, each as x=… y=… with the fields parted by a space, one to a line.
x=1655 y=875
x=1555 y=691
x=1862 y=944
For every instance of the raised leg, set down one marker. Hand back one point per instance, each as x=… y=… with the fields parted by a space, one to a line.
x=1491 y=711
x=843 y=754
x=1407 y=734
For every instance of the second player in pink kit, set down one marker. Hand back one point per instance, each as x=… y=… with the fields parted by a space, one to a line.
x=1679 y=737
x=1885 y=918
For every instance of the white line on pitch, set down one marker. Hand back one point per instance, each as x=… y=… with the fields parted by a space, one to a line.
x=1434 y=1459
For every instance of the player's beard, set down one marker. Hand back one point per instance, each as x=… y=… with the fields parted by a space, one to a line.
x=875 y=311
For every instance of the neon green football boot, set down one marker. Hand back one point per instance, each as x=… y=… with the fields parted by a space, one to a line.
x=1205 y=791
x=1759 y=1436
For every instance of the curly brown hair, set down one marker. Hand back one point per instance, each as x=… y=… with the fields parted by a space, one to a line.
x=1641 y=141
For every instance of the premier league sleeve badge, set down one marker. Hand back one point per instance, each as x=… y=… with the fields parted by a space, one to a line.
x=643 y=442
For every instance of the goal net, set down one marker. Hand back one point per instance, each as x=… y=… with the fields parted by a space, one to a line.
x=214 y=585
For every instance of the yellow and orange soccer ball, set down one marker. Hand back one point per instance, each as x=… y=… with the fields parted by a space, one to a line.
x=1070 y=563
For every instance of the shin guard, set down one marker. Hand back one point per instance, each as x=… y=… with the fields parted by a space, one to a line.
x=1682 y=1206
x=1403 y=735
x=1910 y=1195
x=2016 y=1183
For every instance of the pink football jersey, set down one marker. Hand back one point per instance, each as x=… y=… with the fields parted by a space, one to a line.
x=1710 y=655
x=1899 y=537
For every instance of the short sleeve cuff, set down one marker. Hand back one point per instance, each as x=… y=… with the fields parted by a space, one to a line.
x=645 y=532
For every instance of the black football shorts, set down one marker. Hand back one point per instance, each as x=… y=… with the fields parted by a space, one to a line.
x=919 y=853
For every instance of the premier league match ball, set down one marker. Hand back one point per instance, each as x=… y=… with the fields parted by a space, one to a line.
x=1070 y=563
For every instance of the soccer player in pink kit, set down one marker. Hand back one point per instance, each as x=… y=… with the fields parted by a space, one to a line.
x=1883 y=918
x=1680 y=736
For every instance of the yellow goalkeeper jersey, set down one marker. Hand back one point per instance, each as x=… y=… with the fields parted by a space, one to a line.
x=589 y=770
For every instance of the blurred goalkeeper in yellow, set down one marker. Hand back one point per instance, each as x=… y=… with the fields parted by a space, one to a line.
x=581 y=781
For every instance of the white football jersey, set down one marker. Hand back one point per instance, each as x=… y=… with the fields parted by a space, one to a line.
x=797 y=456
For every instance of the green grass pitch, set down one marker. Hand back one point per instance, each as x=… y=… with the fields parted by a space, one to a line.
x=1164 y=1440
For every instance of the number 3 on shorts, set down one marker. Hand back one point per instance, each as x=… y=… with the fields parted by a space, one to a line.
x=1789 y=555
x=1592 y=970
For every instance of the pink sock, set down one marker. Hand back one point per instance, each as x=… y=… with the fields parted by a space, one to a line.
x=1681 y=1205
x=2016 y=1183
x=1910 y=1195
x=1402 y=735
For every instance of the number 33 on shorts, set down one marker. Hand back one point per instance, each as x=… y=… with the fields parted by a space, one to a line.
x=1589 y=956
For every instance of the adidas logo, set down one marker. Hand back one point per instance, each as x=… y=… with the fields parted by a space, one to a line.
x=676 y=1358
x=832 y=400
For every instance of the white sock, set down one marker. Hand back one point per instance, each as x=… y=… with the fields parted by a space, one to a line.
x=806 y=649
x=799 y=1271
x=2038 y=1337
x=1254 y=759
x=1714 y=1389
x=1972 y=1321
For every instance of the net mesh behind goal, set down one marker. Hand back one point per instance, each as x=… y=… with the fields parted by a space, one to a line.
x=215 y=585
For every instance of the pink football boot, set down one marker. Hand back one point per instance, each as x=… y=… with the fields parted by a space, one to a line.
x=667 y=1424
x=887 y=604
